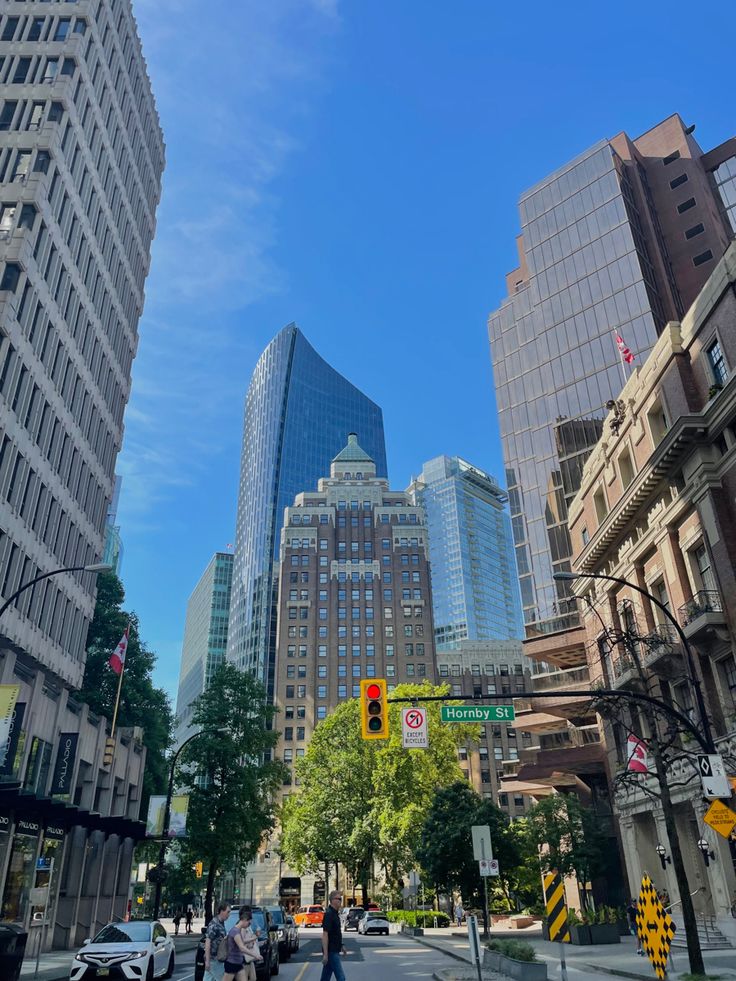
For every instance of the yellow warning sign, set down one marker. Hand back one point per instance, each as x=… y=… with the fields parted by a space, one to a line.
x=554 y=897
x=721 y=818
x=654 y=926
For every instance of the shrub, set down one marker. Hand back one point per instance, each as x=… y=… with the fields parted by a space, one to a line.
x=517 y=950
x=418 y=918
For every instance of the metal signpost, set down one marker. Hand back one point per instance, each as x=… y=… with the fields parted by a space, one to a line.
x=476 y=954
x=483 y=852
x=477 y=713
x=43 y=897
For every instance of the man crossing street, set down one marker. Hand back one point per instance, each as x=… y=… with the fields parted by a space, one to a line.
x=332 y=946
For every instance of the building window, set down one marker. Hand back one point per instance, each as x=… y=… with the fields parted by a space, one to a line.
x=695 y=231
x=675 y=155
x=11 y=275
x=705 y=572
x=706 y=256
x=717 y=363
x=679 y=181
x=321 y=711
x=685 y=206
x=626 y=468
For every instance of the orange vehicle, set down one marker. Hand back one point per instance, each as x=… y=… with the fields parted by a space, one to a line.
x=309 y=916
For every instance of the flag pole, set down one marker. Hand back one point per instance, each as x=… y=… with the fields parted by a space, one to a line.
x=120 y=687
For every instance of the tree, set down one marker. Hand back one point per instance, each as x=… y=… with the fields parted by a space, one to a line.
x=570 y=837
x=445 y=852
x=229 y=775
x=364 y=801
x=141 y=703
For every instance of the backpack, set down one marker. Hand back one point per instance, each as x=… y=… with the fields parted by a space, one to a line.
x=221 y=954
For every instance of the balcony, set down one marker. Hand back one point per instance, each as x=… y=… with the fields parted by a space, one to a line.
x=575 y=679
x=702 y=615
x=662 y=643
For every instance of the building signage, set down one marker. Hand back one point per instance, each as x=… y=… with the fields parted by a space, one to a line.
x=4 y=823
x=53 y=833
x=8 y=698
x=9 y=750
x=66 y=756
x=414 y=732
x=713 y=777
x=477 y=713
x=31 y=829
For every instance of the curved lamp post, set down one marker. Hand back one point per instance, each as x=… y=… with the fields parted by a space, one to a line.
x=94 y=567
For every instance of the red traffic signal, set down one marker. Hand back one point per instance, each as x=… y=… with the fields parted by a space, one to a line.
x=373 y=709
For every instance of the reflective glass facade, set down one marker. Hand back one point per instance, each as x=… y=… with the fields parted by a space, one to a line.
x=475 y=588
x=725 y=179
x=298 y=412
x=205 y=638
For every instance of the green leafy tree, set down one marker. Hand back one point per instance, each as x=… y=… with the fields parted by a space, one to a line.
x=445 y=851
x=141 y=702
x=229 y=776
x=569 y=838
x=364 y=801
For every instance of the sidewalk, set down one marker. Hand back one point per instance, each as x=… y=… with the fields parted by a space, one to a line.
x=619 y=960
x=55 y=965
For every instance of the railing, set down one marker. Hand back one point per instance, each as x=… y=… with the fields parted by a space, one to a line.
x=623 y=665
x=557 y=679
x=706 y=601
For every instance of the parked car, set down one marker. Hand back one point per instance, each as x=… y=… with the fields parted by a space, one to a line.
x=309 y=916
x=126 y=952
x=268 y=943
x=355 y=915
x=293 y=931
x=374 y=921
x=286 y=932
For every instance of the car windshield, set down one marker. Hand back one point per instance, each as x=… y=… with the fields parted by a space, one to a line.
x=376 y=914
x=276 y=915
x=123 y=933
x=315 y=909
x=258 y=922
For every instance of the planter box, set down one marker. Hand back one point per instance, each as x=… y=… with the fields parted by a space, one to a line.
x=605 y=933
x=519 y=970
x=580 y=935
x=412 y=931
x=520 y=922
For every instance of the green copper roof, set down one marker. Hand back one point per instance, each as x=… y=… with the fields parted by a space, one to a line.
x=353 y=452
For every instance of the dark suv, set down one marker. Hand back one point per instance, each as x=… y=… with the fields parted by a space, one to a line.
x=285 y=931
x=268 y=942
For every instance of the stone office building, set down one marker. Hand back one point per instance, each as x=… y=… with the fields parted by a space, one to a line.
x=81 y=158
x=354 y=603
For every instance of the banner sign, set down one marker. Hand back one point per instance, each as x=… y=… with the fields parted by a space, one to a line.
x=8 y=698
x=31 y=829
x=177 y=817
x=66 y=756
x=54 y=833
x=4 y=823
x=9 y=750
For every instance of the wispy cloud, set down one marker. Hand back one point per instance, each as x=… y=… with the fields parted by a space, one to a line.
x=233 y=84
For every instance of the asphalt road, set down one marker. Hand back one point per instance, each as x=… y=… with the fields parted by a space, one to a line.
x=392 y=957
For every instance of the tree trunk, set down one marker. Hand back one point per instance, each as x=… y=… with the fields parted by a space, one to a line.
x=212 y=872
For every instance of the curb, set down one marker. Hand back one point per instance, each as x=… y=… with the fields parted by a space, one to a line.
x=449 y=953
x=616 y=972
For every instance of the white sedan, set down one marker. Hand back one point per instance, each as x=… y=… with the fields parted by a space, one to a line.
x=374 y=921
x=137 y=951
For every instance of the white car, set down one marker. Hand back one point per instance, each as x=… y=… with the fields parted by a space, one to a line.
x=137 y=951
x=374 y=921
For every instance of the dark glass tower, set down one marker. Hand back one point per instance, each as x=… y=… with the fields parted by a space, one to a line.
x=298 y=412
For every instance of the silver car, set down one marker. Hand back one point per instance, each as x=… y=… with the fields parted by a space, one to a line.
x=133 y=951
x=374 y=921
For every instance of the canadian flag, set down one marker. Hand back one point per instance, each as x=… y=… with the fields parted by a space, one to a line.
x=117 y=660
x=626 y=352
x=638 y=755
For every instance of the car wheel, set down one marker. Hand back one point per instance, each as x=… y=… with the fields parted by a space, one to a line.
x=170 y=968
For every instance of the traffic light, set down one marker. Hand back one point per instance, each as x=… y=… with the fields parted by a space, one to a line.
x=198 y=869
x=373 y=709
x=109 y=752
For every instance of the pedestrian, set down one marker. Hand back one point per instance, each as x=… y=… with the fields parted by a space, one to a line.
x=177 y=921
x=242 y=949
x=189 y=918
x=214 y=934
x=332 y=946
x=459 y=913
x=631 y=917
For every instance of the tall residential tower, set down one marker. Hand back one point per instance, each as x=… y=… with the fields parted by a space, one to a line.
x=297 y=412
x=475 y=587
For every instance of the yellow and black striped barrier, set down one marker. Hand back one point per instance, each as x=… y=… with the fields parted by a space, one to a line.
x=554 y=898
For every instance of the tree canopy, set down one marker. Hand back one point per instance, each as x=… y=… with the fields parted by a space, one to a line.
x=141 y=702
x=229 y=775
x=363 y=801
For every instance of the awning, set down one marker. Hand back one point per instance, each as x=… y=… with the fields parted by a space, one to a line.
x=53 y=810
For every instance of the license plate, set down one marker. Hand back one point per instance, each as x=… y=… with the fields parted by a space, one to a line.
x=102 y=971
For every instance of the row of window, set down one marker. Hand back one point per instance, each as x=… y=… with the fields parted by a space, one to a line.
x=297 y=518
x=300 y=691
x=475 y=669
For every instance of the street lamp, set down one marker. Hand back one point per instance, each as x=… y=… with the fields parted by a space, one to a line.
x=93 y=567
x=706 y=851
x=689 y=657
x=167 y=818
x=663 y=856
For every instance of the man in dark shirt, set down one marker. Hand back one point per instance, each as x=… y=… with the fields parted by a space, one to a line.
x=332 y=939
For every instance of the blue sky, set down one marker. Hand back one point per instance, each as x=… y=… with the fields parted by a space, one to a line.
x=355 y=167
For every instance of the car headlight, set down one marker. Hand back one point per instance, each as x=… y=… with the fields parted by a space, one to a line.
x=136 y=954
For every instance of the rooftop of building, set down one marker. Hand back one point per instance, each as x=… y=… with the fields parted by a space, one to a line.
x=353 y=452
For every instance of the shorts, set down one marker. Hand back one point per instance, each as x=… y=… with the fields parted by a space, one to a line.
x=233 y=968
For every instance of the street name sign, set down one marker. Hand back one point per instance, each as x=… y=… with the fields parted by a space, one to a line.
x=721 y=818
x=713 y=776
x=477 y=713
x=414 y=732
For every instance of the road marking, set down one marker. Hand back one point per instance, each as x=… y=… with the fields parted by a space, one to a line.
x=300 y=975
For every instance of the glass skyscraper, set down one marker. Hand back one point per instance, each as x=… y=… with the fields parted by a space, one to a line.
x=475 y=587
x=616 y=242
x=298 y=413
x=205 y=638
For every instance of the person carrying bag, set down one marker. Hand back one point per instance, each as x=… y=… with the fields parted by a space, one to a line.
x=242 y=949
